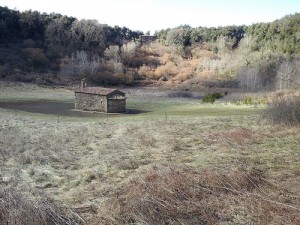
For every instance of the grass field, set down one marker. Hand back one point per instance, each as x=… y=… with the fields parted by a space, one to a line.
x=170 y=161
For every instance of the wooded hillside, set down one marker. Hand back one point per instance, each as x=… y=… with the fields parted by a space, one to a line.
x=56 y=49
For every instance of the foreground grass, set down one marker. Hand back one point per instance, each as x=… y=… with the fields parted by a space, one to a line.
x=177 y=163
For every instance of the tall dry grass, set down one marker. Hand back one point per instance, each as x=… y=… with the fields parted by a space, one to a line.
x=16 y=208
x=170 y=194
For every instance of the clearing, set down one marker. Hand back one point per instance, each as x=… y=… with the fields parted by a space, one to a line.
x=170 y=161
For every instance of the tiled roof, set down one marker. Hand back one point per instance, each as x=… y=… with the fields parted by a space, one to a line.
x=97 y=90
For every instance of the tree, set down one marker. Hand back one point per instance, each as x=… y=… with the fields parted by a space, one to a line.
x=128 y=51
x=113 y=52
x=179 y=36
x=88 y=35
x=9 y=25
x=250 y=79
x=81 y=65
x=33 y=25
x=58 y=34
x=287 y=76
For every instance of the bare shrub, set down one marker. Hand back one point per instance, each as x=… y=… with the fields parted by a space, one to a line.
x=80 y=65
x=185 y=71
x=36 y=57
x=247 y=45
x=250 y=79
x=288 y=75
x=165 y=58
x=128 y=51
x=146 y=71
x=260 y=75
x=156 y=48
x=226 y=64
x=284 y=108
x=112 y=52
x=199 y=52
x=17 y=209
x=169 y=69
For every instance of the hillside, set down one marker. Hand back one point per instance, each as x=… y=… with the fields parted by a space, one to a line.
x=56 y=49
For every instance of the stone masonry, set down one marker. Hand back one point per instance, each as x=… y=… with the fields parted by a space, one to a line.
x=100 y=100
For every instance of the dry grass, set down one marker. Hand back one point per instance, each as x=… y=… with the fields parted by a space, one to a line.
x=21 y=91
x=166 y=170
x=169 y=194
x=18 y=209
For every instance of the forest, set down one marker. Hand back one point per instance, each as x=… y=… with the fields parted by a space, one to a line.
x=54 y=49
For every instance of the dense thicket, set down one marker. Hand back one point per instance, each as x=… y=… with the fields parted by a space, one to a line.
x=186 y=35
x=40 y=47
x=55 y=30
x=32 y=41
x=282 y=35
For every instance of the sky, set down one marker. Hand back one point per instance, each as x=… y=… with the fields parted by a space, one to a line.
x=152 y=15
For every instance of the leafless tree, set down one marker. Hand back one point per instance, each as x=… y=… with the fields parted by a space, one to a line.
x=221 y=44
x=113 y=53
x=287 y=76
x=81 y=65
x=128 y=50
x=250 y=79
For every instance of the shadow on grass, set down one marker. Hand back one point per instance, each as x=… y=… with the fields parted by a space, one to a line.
x=136 y=111
x=58 y=108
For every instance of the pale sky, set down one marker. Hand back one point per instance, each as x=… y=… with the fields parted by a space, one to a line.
x=155 y=15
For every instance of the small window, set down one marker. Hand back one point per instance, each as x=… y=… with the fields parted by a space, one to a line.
x=101 y=102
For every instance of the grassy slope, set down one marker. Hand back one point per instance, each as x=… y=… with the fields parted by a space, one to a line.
x=104 y=164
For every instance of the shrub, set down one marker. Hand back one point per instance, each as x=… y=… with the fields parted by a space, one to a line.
x=247 y=100
x=158 y=49
x=284 y=108
x=169 y=69
x=146 y=71
x=210 y=98
x=36 y=57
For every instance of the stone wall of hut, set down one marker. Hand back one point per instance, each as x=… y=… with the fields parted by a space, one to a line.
x=116 y=105
x=90 y=102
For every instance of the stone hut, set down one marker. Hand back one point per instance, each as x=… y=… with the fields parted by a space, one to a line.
x=148 y=38
x=100 y=99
